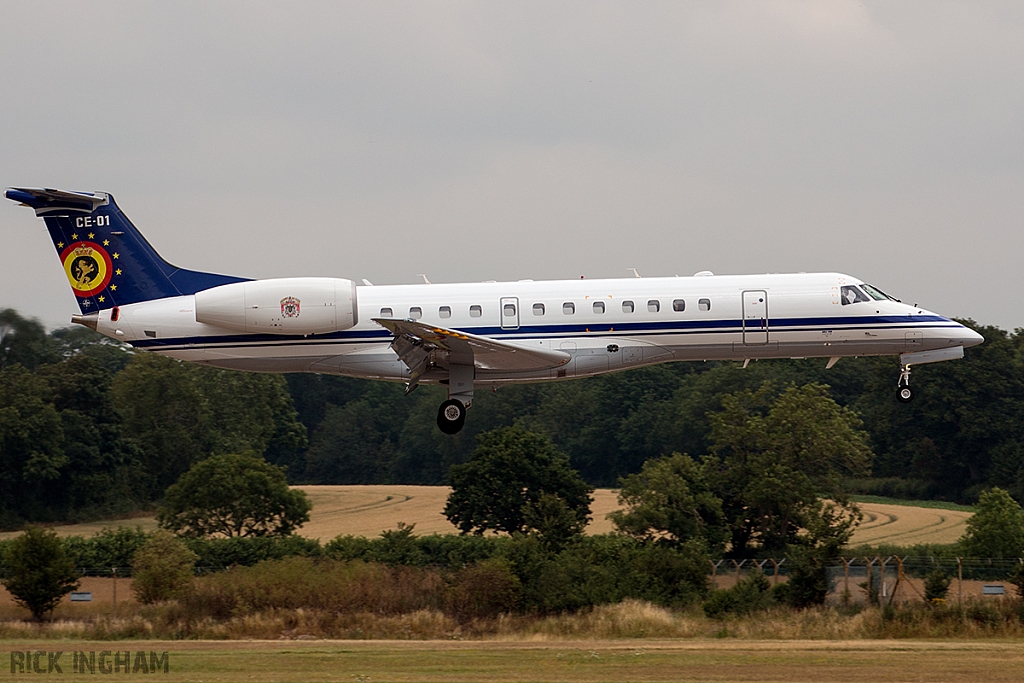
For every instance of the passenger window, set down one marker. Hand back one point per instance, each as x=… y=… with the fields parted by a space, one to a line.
x=627 y=306
x=445 y=311
x=387 y=313
x=415 y=312
x=704 y=304
x=853 y=295
x=679 y=305
x=538 y=309
x=475 y=311
x=568 y=308
x=653 y=306
x=509 y=310
x=598 y=307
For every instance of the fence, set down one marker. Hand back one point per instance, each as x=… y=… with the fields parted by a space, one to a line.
x=887 y=579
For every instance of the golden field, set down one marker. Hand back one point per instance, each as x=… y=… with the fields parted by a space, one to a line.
x=369 y=510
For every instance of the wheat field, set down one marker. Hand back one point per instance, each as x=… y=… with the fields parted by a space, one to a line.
x=369 y=510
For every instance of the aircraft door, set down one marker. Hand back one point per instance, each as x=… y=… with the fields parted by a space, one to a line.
x=755 y=316
x=510 y=313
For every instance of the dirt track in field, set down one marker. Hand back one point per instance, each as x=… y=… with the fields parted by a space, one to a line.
x=369 y=510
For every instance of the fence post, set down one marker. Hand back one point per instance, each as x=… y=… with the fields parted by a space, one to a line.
x=775 y=572
x=113 y=570
x=846 y=577
x=882 y=564
x=959 y=582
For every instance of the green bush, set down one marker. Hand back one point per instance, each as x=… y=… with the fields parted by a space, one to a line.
x=162 y=569
x=216 y=554
x=752 y=593
x=485 y=589
x=111 y=547
x=936 y=585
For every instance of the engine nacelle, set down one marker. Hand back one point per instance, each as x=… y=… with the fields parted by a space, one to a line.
x=293 y=305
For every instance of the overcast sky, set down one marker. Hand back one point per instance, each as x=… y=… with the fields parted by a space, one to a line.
x=477 y=141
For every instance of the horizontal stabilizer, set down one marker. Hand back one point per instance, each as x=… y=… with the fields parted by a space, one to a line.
x=45 y=200
x=484 y=353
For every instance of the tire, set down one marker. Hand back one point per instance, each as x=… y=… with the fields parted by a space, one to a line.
x=451 y=416
x=905 y=394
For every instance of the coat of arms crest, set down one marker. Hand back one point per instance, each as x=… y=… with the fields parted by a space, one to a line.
x=289 y=307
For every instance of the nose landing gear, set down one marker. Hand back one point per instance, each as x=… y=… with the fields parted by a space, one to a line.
x=904 y=394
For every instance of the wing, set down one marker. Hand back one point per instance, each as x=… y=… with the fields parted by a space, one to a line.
x=414 y=342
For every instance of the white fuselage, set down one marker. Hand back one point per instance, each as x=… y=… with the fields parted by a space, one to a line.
x=604 y=325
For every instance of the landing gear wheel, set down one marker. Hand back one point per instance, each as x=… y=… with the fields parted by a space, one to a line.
x=905 y=394
x=451 y=416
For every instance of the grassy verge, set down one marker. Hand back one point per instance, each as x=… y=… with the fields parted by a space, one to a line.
x=597 y=661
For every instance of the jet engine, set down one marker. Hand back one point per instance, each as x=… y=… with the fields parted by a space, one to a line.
x=295 y=305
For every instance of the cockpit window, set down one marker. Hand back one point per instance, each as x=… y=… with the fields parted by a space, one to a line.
x=877 y=294
x=853 y=295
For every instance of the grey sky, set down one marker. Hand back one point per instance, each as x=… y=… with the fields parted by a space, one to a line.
x=475 y=141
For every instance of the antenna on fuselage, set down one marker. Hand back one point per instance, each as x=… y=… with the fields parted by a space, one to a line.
x=425 y=280
x=635 y=274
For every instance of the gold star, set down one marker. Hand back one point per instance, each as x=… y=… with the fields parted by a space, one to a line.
x=117 y=272
x=60 y=245
x=91 y=235
x=106 y=243
x=116 y=254
x=113 y=288
x=74 y=236
x=101 y=299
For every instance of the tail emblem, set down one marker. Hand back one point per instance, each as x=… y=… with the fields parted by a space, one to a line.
x=88 y=268
x=289 y=307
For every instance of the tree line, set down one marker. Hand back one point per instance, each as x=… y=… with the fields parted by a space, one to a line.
x=88 y=427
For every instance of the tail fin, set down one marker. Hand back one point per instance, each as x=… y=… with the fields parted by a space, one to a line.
x=106 y=259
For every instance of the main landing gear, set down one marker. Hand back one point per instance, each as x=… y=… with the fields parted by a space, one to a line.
x=904 y=394
x=451 y=416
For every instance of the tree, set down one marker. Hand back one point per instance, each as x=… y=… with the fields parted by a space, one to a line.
x=166 y=416
x=38 y=571
x=774 y=460
x=162 y=569
x=233 y=495
x=996 y=529
x=24 y=342
x=511 y=470
x=32 y=455
x=671 y=499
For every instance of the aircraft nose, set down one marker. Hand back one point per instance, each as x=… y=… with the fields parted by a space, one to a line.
x=969 y=337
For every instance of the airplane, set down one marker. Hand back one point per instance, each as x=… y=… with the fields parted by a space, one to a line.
x=470 y=335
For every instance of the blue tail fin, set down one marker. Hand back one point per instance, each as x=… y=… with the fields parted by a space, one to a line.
x=105 y=258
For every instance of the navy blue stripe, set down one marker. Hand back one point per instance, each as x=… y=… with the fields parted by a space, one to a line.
x=676 y=327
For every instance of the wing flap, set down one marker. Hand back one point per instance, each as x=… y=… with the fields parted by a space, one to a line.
x=484 y=353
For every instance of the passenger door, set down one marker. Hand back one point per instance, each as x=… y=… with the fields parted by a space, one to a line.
x=755 y=317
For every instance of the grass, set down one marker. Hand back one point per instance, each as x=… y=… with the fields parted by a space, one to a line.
x=582 y=661
x=931 y=504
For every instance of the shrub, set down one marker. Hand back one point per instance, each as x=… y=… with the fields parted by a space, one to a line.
x=162 y=569
x=308 y=583
x=485 y=589
x=936 y=585
x=111 y=547
x=216 y=554
x=1016 y=577
x=752 y=593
